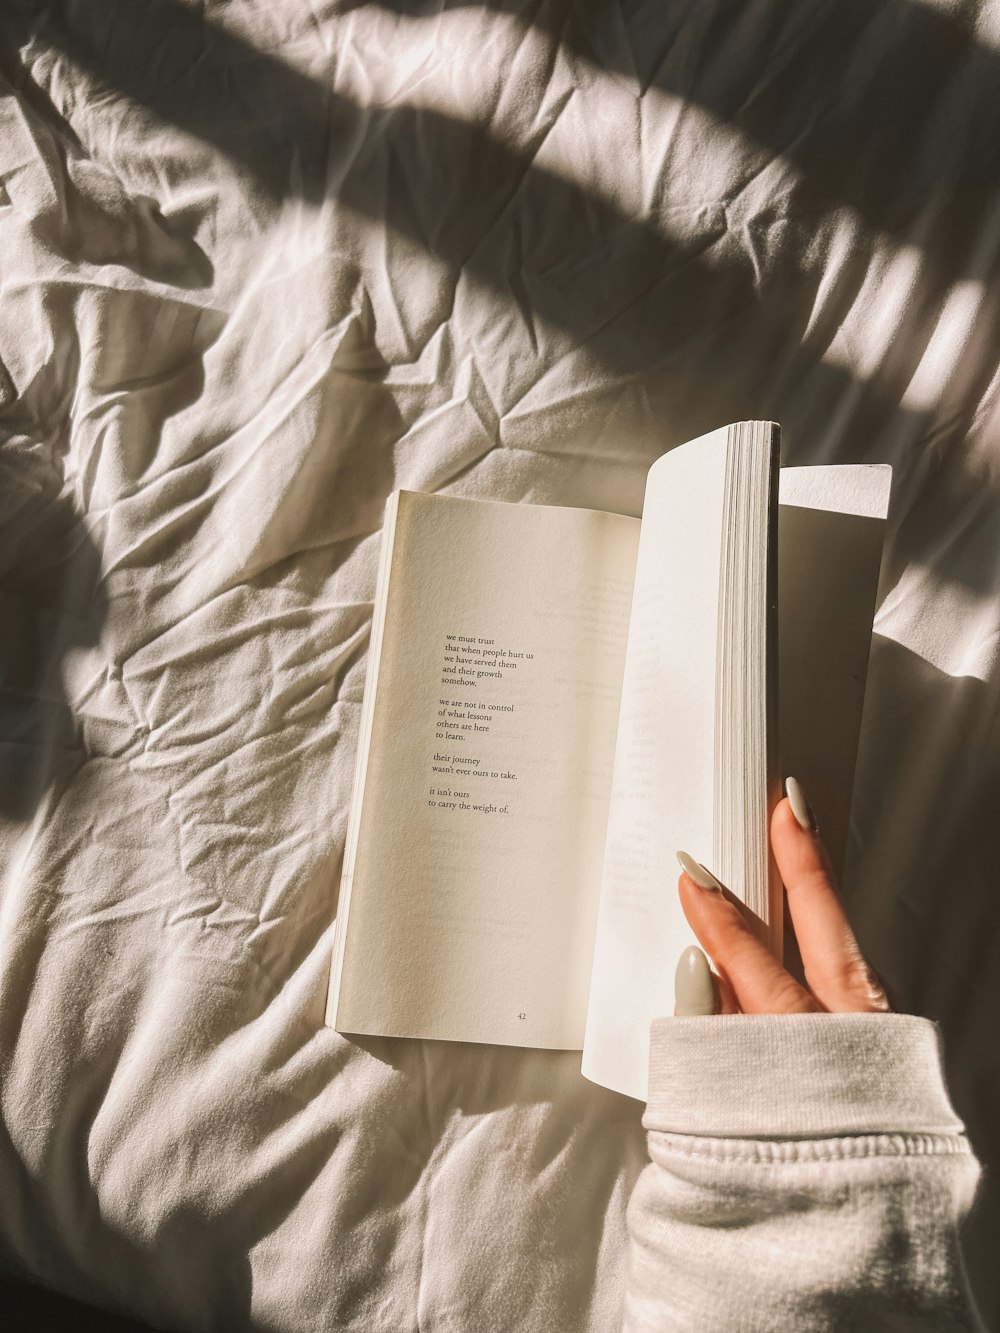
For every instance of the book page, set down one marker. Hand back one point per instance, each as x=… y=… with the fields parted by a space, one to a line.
x=831 y=525
x=664 y=769
x=480 y=836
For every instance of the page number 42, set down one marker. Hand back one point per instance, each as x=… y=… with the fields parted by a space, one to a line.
x=522 y=1015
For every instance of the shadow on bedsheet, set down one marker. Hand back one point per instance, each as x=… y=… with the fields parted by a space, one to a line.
x=868 y=68
x=88 y=217
x=52 y=595
x=612 y=284
x=193 y=1272
x=51 y=601
x=29 y=1309
x=283 y=125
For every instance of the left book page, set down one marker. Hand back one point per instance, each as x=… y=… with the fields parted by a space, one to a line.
x=468 y=904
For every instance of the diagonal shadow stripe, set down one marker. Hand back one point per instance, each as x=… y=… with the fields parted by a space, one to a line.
x=614 y=284
x=815 y=82
x=840 y=76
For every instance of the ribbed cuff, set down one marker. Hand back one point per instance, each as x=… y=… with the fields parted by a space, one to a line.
x=797 y=1076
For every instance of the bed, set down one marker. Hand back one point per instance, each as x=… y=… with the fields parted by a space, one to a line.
x=263 y=262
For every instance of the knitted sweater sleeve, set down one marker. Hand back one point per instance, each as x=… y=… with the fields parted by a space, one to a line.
x=807 y=1173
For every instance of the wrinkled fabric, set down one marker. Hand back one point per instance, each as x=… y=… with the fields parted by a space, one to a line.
x=264 y=262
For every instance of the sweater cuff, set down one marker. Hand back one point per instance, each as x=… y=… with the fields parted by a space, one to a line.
x=797 y=1076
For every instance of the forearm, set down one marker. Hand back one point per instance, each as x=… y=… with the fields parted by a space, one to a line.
x=807 y=1172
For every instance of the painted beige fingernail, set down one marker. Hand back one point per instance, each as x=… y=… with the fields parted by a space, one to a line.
x=694 y=990
x=696 y=871
x=804 y=814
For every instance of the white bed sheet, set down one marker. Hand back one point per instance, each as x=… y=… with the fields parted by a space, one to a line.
x=264 y=262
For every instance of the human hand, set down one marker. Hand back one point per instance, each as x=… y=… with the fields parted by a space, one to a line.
x=748 y=979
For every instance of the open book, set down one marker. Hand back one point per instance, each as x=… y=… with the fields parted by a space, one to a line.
x=557 y=701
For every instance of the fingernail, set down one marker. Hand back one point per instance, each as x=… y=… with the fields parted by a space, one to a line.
x=696 y=871
x=694 y=990
x=804 y=814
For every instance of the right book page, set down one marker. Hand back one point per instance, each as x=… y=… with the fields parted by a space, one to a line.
x=831 y=524
x=702 y=576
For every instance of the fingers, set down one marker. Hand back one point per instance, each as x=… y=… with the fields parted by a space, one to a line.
x=727 y=999
x=835 y=969
x=838 y=978
x=699 y=991
x=756 y=981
